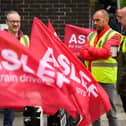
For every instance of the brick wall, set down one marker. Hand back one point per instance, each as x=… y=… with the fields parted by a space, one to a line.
x=60 y=12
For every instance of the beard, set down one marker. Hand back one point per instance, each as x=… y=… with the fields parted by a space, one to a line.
x=99 y=29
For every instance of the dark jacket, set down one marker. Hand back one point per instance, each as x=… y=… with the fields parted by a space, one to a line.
x=121 y=76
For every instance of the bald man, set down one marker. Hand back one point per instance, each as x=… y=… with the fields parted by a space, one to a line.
x=121 y=78
x=100 y=54
x=122 y=18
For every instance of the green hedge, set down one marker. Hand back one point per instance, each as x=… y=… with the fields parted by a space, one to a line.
x=123 y=3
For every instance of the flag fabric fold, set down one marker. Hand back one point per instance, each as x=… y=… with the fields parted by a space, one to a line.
x=51 y=28
x=73 y=75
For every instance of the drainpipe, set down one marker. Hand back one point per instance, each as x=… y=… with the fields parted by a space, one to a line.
x=118 y=4
x=91 y=6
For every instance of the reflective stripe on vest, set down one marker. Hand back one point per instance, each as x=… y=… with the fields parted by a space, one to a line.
x=104 y=64
x=107 y=36
x=103 y=70
x=24 y=40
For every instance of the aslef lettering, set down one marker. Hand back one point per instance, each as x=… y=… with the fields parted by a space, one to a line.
x=77 y=39
x=12 y=62
x=51 y=69
x=66 y=72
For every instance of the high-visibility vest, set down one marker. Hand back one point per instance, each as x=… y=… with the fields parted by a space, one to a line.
x=24 y=40
x=103 y=70
x=123 y=44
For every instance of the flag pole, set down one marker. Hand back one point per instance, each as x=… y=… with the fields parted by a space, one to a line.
x=41 y=118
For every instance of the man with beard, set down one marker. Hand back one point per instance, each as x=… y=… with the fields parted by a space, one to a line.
x=121 y=81
x=100 y=54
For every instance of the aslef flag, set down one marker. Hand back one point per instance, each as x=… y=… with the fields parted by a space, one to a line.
x=75 y=37
x=19 y=82
x=60 y=67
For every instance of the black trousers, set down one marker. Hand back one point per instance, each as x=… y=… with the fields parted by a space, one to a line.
x=123 y=98
x=31 y=116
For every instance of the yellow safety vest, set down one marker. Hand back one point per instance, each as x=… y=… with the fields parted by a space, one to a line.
x=24 y=40
x=103 y=70
x=123 y=44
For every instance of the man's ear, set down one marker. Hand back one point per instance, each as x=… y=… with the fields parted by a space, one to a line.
x=107 y=20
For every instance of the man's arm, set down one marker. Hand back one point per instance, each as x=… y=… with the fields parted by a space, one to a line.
x=105 y=52
x=84 y=53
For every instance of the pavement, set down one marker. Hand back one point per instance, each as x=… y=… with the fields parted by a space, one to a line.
x=120 y=113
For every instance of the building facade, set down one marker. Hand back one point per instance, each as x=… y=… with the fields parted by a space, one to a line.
x=60 y=12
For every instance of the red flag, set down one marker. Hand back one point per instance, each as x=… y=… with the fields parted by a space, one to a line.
x=70 y=73
x=18 y=78
x=75 y=37
x=63 y=80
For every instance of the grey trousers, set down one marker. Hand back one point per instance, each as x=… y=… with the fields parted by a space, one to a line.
x=111 y=115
